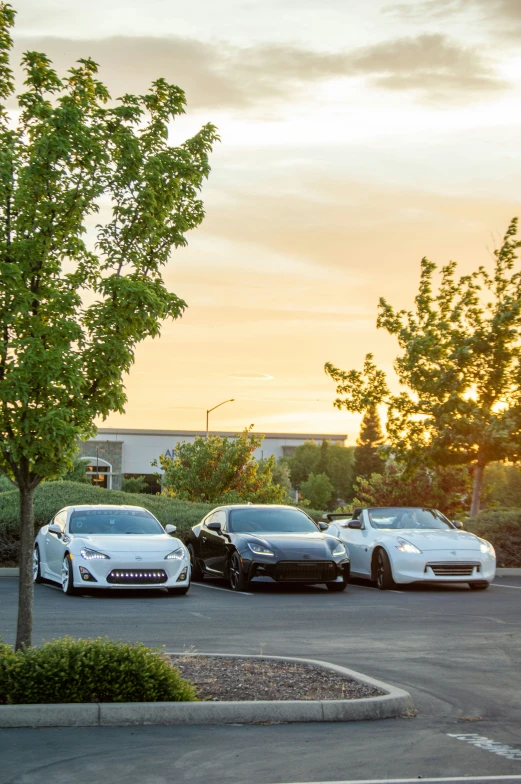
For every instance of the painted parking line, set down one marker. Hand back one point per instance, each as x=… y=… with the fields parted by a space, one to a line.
x=218 y=588
x=502 y=585
x=455 y=779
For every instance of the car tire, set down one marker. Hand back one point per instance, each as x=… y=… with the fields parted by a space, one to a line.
x=67 y=577
x=37 y=569
x=481 y=586
x=238 y=580
x=336 y=587
x=383 y=571
x=178 y=591
x=196 y=571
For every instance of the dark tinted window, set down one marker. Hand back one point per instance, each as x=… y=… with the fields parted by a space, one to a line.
x=114 y=521
x=396 y=518
x=274 y=521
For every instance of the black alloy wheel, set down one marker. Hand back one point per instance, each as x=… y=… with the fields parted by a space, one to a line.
x=196 y=571
x=238 y=580
x=384 y=574
x=481 y=586
x=336 y=586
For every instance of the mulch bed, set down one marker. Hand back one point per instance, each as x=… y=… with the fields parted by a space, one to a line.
x=223 y=679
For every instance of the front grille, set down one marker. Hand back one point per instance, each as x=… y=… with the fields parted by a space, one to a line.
x=302 y=570
x=451 y=569
x=137 y=577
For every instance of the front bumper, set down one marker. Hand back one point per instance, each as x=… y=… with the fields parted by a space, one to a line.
x=148 y=573
x=443 y=566
x=302 y=571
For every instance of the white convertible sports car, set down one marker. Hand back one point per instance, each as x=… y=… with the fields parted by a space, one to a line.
x=401 y=545
x=110 y=547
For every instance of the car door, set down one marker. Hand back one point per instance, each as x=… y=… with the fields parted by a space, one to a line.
x=360 y=544
x=55 y=545
x=213 y=543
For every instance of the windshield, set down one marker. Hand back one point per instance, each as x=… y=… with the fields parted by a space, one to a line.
x=407 y=517
x=271 y=521
x=114 y=521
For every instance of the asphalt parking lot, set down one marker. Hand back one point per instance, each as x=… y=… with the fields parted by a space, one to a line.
x=457 y=652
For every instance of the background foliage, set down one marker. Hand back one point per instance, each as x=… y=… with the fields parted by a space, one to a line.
x=335 y=461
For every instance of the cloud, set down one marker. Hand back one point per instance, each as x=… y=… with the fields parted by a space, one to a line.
x=501 y=16
x=220 y=75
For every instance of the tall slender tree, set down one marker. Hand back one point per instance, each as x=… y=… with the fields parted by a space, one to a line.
x=367 y=458
x=72 y=313
x=459 y=367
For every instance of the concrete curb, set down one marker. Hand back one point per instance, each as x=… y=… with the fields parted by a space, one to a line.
x=12 y=571
x=394 y=702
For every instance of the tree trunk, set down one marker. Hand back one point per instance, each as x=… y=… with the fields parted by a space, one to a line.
x=477 y=488
x=25 y=563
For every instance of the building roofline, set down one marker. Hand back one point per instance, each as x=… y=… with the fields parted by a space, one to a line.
x=135 y=432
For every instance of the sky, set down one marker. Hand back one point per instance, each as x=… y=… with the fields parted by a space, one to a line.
x=357 y=136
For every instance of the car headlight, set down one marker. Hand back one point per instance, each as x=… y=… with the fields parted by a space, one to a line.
x=407 y=547
x=486 y=547
x=93 y=555
x=260 y=549
x=339 y=549
x=175 y=555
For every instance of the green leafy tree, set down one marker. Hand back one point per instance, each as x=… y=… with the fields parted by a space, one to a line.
x=503 y=485
x=318 y=490
x=367 y=458
x=221 y=471
x=332 y=459
x=280 y=475
x=447 y=489
x=72 y=313
x=459 y=367
x=77 y=473
x=134 y=484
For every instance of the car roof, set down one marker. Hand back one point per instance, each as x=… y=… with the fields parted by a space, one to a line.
x=257 y=506
x=85 y=507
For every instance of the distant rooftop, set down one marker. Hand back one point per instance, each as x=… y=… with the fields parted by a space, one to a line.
x=106 y=431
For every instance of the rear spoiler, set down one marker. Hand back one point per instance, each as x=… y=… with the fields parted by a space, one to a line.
x=342 y=515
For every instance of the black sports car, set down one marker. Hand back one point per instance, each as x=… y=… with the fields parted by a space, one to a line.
x=244 y=542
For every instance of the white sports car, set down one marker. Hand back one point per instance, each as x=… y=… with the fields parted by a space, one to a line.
x=401 y=545
x=110 y=547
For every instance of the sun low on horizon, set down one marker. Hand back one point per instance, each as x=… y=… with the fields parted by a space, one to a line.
x=356 y=138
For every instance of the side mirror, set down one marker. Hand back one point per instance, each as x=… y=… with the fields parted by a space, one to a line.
x=355 y=524
x=170 y=529
x=214 y=527
x=54 y=528
x=457 y=524
x=323 y=526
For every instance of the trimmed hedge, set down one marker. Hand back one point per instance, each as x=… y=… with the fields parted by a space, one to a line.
x=502 y=528
x=68 y=670
x=50 y=497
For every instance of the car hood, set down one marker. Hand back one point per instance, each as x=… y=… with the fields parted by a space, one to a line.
x=437 y=540
x=128 y=543
x=294 y=546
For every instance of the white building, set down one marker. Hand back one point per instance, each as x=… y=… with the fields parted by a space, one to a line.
x=115 y=454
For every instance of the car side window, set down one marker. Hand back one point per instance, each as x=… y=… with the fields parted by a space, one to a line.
x=220 y=517
x=61 y=519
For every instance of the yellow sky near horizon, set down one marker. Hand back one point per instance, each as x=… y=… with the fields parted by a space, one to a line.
x=356 y=138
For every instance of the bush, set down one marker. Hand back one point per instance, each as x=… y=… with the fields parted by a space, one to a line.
x=502 y=528
x=317 y=489
x=68 y=670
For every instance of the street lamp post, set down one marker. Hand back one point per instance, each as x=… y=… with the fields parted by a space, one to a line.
x=213 y=409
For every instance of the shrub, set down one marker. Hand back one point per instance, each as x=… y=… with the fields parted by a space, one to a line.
x=68 y=670
x=502 y=528
x=317 y=489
